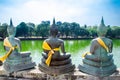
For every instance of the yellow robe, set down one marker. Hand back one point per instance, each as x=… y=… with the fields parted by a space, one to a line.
x=51 y=52
x=7 y=44
x=101 y=42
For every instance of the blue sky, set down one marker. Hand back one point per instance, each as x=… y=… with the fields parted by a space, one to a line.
x=81 y=11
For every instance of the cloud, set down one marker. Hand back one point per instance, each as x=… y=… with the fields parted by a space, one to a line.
x=81 y=11
x=36 y=10
x=52 y=8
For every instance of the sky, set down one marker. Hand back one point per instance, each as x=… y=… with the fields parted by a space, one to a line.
x=87 y=12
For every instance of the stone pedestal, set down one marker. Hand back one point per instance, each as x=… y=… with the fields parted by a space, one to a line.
x=59 y=65
x=100 y=67
x=22 y=62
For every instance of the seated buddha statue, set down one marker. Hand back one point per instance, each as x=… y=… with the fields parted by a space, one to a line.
x=14 y=60
x=54 y=63
x=99 y=61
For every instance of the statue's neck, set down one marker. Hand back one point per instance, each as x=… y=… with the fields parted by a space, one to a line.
x=102 y=36
x=53 y=36
x=10 y=38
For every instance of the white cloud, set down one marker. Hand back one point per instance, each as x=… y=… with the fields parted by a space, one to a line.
x=52 y=9
x=36 y=11
x=81 y=11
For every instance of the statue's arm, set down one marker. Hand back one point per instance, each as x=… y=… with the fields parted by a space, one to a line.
x=62 y=47
x=4 y=46
x=18 y=44
x=110 y=47
x=92 y=47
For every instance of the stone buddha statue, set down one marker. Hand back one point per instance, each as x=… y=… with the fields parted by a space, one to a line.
x=53 y=62
x=14 y=60
x=98 y=61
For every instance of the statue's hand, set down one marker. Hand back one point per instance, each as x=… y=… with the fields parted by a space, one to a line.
x=13 y=48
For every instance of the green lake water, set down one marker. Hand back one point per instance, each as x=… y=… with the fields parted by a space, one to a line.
x=75 y=47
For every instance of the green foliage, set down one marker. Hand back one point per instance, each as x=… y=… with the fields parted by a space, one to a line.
x=43 y=29
x=116 y=31
x=60 y=28
x=93 y=31
x=110 y=33
x=84 y=32
x=3 y=30
x=66 y=29
x=22 y=29
x=31 y=29
x=74 y=29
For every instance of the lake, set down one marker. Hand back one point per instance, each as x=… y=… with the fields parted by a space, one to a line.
x=75 y=47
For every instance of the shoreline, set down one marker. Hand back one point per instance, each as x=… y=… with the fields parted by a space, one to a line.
x=39 y=38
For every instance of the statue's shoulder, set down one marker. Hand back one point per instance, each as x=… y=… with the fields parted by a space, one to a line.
x=94 y=40
x=60 y=40
x=17 y=39
x=46 y=40
x=5 y=38
x=108 y=40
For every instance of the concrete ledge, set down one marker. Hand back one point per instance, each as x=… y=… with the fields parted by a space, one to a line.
x=35 y=74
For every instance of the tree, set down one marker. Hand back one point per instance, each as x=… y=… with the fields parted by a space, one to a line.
x=66 y=29
x=31 y=29
x=110 y=33
x=60 y=28
x=85 y=26
x=3 y=30
x=43 y=29
x=93 y=31
x=74 y=29
x=22 y=29
x=83 y=32
x=116 y=31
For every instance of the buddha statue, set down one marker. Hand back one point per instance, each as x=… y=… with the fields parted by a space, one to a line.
x=98 y=62
x=54 y=63
x=14 y=60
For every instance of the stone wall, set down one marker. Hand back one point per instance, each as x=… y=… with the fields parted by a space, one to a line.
x=35 y=74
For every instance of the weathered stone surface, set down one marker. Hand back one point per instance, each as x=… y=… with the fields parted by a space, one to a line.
x=14 y=60
x=53 y=62
x=99 y=60
x=56 y=70
x=36 y=74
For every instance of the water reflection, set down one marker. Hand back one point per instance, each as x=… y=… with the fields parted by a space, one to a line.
x=74 y=47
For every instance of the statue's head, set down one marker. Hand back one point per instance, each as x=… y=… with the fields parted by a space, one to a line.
x=102 y=29
x=11 y=29
x=53 y=29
